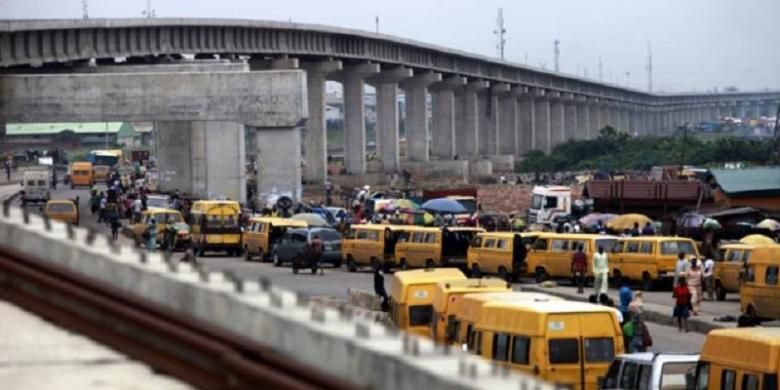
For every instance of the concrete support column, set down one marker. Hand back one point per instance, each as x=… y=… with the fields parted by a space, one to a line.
x=570 y=118
x=203 y=158
x=443 y=119
x=386 y=85
x=557 y=119
x=582 y=127
x=354 y=116
x=509 y=122
x=417 y=132
x=466 y=129
x=276 y=148
x=526 y=131
x=756 y=110
x=490 y=115
x=625 y=119
x=542 y=135
x=594 y=112
x=315 y=139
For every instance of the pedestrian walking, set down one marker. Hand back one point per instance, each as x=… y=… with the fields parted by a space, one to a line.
x=151 y=241
x=600 y=271
x=138 y=207
x=709 y=282
x=8 y=170
x=379 y=288
x=682 y=304
x=640 y=339
x=626 y=297
x=694 y=277
x=680 y=267
x=316 y=253
x=579 y=268
x=115 y=224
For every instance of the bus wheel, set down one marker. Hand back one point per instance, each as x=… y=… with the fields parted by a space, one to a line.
x=647 y=282
x=503 y=274
x=404 y=265
x=429 y=264
x=720 y=292
x=475 y=271
x=351 y=266
x=540 y=275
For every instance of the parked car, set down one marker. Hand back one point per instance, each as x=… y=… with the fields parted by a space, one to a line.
x=294 y=245
x=652 y=371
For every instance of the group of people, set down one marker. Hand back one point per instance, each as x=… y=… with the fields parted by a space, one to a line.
x=691 y=279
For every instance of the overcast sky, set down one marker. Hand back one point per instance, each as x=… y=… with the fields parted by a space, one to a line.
x=696 y=44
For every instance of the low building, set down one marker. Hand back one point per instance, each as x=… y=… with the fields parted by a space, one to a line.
x=751 y=187
x=61 y=135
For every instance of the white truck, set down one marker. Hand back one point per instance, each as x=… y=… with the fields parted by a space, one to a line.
x=35 y=186
x=549 y=204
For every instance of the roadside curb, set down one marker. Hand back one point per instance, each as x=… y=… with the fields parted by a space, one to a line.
x=651 y=312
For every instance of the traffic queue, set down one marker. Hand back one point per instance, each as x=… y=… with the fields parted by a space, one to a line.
x=573 y=344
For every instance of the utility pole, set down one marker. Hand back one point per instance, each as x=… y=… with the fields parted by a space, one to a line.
x=649 y=68
x=149 y=12
x=628 y=79
x=774 y=157
x=500 y=31
x=556 y=55
x=377 y=24
x=84 y=9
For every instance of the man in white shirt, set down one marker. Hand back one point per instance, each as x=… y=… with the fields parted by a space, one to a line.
x=680 y=268
x=600 y=272
x=138 y=207
x=709 y=285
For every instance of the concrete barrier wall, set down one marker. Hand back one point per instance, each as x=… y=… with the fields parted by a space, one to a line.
x=361 y=352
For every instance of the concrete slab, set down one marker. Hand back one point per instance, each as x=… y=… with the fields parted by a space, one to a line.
x=35 y=354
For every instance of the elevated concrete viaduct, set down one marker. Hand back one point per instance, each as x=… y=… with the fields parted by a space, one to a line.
x=483 y=109
x=202 y=116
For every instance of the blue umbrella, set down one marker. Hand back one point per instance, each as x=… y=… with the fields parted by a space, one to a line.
x=443 y=206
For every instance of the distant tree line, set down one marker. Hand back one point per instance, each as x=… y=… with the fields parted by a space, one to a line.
x=616 y=150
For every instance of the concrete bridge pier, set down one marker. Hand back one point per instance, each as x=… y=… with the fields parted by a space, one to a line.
x=443 y=117
x=583 y=127
x=542 y=128
x=509 y=121
x=205 y=158
x=594 y=112
x=466 y=129
x=315 y=140
x=278 y=161
x=570 y=117
x=417 y=131
x=557 y=120
x=353 y=79
x=386 y=84
x=490 y=114
x=527 y=134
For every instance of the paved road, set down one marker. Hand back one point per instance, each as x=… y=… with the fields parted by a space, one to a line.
x=335 y=283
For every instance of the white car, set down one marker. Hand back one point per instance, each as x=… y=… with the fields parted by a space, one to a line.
x=651 y=371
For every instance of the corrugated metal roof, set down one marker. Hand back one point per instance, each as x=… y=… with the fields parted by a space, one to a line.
x=55 y=128
x=750 y=180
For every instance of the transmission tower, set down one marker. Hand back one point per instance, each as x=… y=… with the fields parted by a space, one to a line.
x=649 y=68
x=500 y=31
x=84 y=9
x=556 y=55
x=149 y=12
